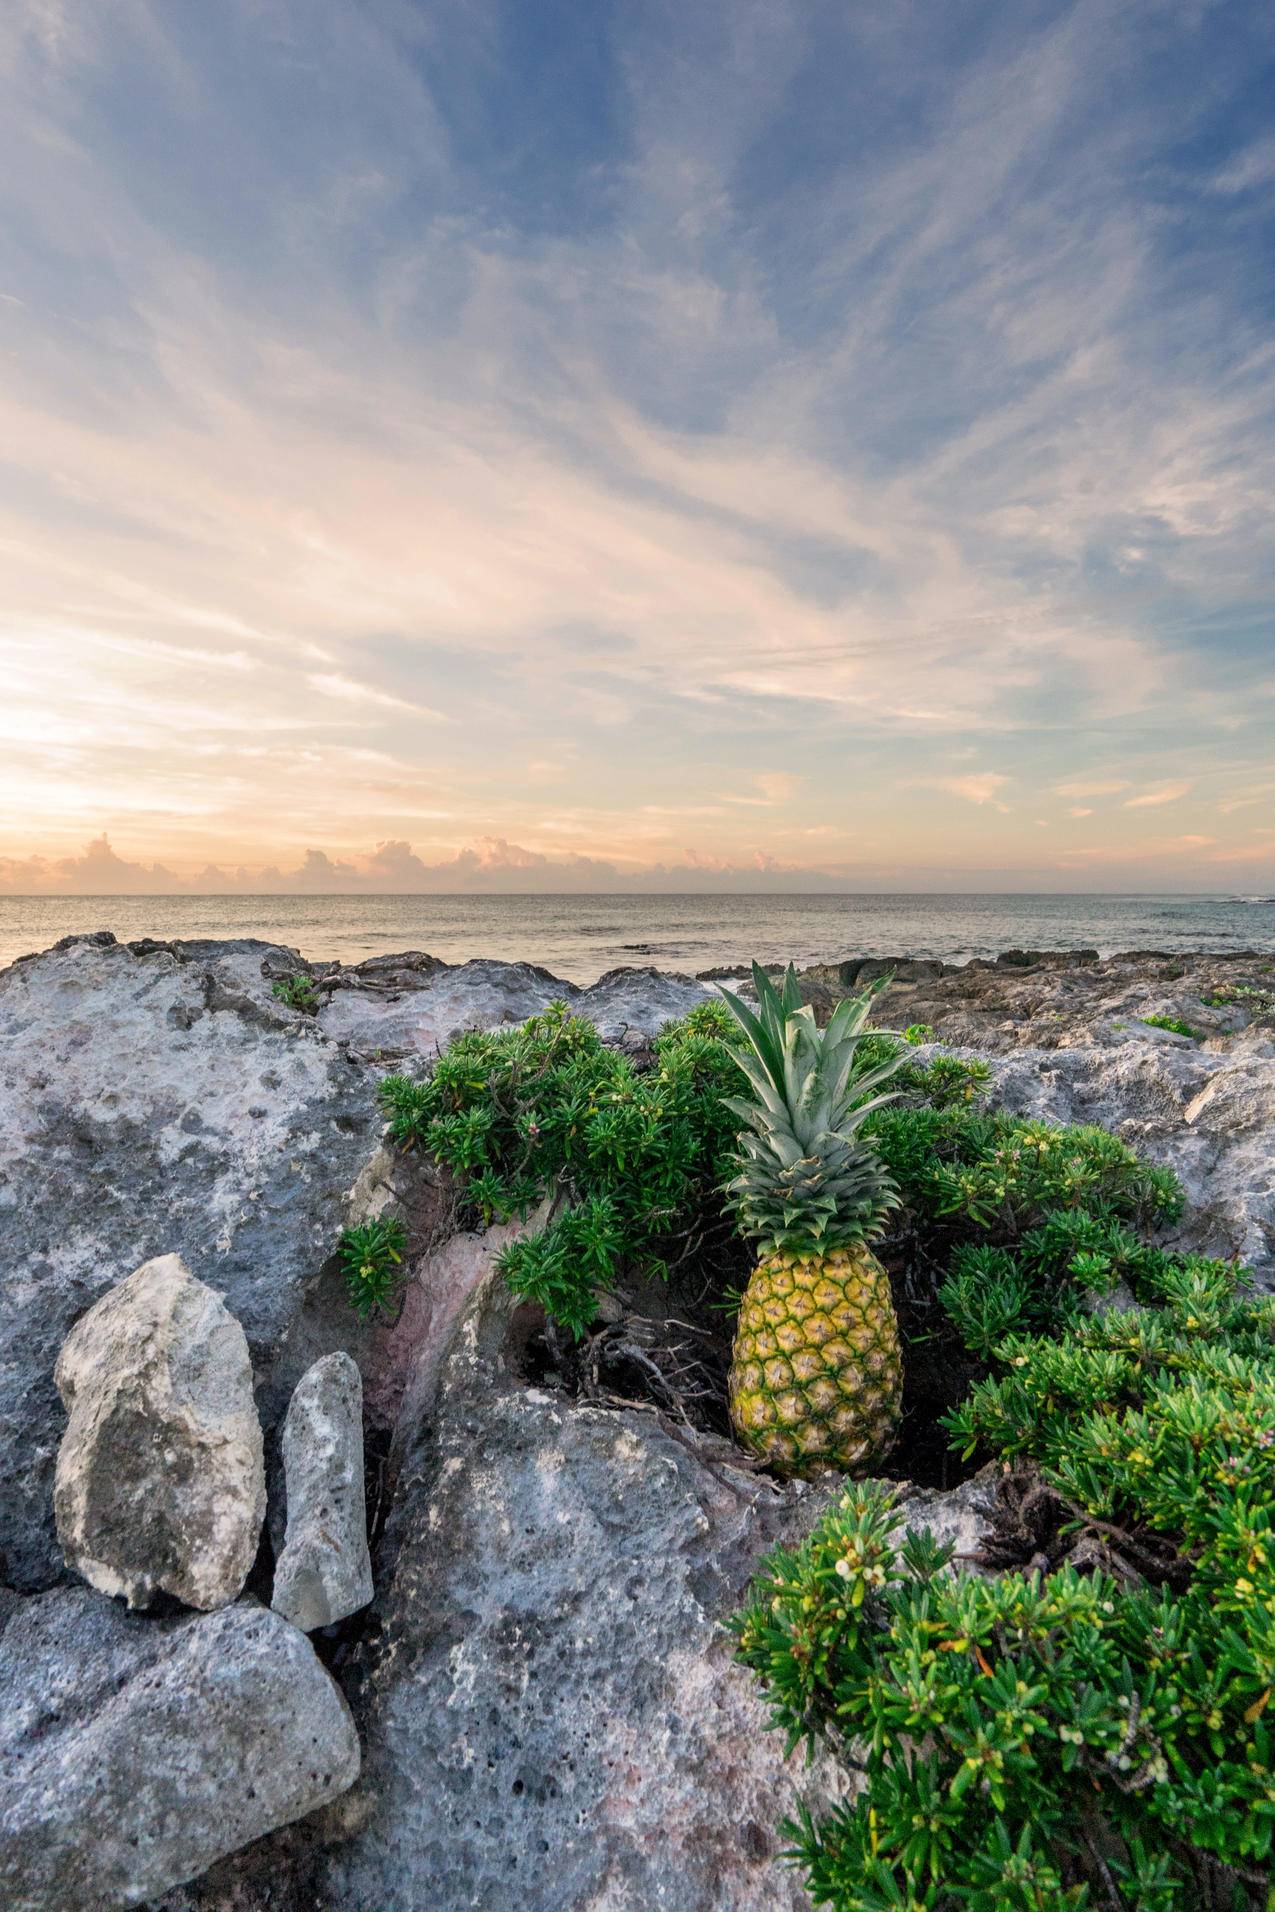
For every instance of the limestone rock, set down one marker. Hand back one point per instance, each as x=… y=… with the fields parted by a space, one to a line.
x=534 y=1754
x=422 y=1008
x=957 y=1517
x=325 y=1571
x=135 y=1752
x=554 y=1716
x=160 y=1483
x=1067 y=1040
x=157 y=1099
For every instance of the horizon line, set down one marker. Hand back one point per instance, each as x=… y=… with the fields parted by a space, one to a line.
x=402 y=896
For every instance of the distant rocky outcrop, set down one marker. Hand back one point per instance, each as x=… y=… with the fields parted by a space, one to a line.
x=414 y=1005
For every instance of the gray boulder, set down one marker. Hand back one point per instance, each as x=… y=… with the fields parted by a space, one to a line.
x=554 y=1718
x=136 y=1752
x=417 y=1006
x=159 y=1099
x=325 y=1570
x=160 y=1483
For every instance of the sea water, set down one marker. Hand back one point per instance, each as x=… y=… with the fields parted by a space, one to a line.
x=579 y=937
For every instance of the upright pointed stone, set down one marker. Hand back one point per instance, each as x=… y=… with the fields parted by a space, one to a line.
x=160 y=1483
x=325 y=1570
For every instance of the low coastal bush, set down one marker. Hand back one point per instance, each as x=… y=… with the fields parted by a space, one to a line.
x=1260 y=1003
x=298 y=992
x=632 y=1155
x=631 y=1159
x=1088 y=1728
x=371 y=1257
x=1174 y=1024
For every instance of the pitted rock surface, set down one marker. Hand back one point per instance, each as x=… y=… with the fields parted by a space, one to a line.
x=553 y=1718
x=155 y=1100
x=135 y=1752
x=552 y=1715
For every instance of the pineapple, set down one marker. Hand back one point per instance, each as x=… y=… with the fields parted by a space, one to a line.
x=816 y=1375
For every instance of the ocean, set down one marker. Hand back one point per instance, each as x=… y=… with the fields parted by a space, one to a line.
x=579 y=937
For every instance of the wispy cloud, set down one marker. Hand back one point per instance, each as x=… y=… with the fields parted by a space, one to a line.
x=1255 y=794
x=672 y=445
x=1152 y=799
x=1093 y=787
x=348 y=690
x=1254 y=166
x=980 y=786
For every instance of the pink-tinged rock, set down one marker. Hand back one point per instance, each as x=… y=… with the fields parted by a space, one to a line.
x=409 y=1353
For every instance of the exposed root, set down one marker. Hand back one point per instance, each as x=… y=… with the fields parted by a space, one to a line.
x=668 y=1363
x=1035 y=1527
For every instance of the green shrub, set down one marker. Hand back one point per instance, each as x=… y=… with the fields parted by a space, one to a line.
x=918 y=1032
x=1174 y=1024
x=967 y=1167
x=1097 y=1736
x=299 y=992
x=371 y=1257
x=632 y=1158
x=942 y=1082
x=1260 y=1003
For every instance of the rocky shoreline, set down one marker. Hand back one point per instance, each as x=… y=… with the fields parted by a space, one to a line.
x=541 y=1685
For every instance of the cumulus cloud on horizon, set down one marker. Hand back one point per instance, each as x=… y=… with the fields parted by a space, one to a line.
x=686 y=439
x=494 y=866
x=389 y=868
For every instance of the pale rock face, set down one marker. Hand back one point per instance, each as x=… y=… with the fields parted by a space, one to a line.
x=160 y=1482
x=135 y=1752
x=426 y=1007
x=1068 y=1041
x=157 y=1100
x=325 y=1571
x=158 y=1097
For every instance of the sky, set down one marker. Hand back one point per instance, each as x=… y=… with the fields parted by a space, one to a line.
x=511 y=444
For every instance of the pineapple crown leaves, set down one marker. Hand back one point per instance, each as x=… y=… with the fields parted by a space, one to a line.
x=807 y=1178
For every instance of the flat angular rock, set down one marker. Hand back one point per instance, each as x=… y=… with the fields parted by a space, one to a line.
x=325 y=1570
x=160 y=1483
x=134 y=1752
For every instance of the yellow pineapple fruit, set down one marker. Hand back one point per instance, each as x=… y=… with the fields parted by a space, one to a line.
x=816 y=1375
